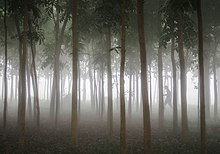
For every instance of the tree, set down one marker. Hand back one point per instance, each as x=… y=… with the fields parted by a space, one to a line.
x=144 y=85
x=5 y=69
x=74 y=123
x=201 y=80
x=122 y=71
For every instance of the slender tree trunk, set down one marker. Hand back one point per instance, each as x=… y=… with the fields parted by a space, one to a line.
x=207 y=85
x=29 y=90
x=12 y=85
x=122 y=71
x=175 y=112
x=22 y=103
x=201 y=80
x=215 y=84
x=35 y=85
x=182 y=81
x=160 y=88
x=109 y=70
x=5 y=69
x=144 y=85
x=137 y=91
x=130 y=93
x=74 y=123
x=150 y=81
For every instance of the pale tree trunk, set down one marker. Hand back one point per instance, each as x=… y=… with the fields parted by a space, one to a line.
x=74 y=123
x=130 y=93
x=122 y=71
x=144 y=84
x=201 y=81
x=215 y=83
x=185 y=128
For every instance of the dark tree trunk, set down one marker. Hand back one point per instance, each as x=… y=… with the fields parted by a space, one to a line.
x=175 y=113
x=122 y=71
x=22 y=100
x=5 y=69
x=160 y=88
x=182 y=80
x=201 y=81
x=29 y=89
x=109 y=76
x=207 y=85
x=144 y=85
x=74 y=123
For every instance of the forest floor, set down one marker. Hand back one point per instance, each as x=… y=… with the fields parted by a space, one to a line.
x=93 y=138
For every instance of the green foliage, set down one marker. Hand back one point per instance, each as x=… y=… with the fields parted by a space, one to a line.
x=173 y=11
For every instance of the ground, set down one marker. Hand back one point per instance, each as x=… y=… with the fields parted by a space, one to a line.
x=93 y=137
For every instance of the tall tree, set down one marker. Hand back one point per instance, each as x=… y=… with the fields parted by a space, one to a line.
x=201 y=81
x=175 y=111
x=182 y=78
x=5 y=69
x=22 y=79
x=144 y=84
x=122 y=71
x=74 y=123
x=160 y=75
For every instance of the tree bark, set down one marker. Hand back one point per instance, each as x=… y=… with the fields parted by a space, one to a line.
x=5 y=69
x=74 y=123
x=182 y=80
x=122 y=71
x=201 y=80
x=109 y=73
x=144 y=85
x=175 y=112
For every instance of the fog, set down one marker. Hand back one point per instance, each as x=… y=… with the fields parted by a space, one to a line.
x=98 y=76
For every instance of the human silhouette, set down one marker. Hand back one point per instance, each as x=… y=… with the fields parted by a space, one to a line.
x=168 y=100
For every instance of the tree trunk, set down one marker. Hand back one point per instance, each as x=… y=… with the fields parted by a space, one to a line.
x=29 y=90
x=122 y=71
x=109 y=73
x=201 y=80
x=160 y=88
x=74 y=123
x=215 y=84
x=144 y=85
x=182 y=80
x=130 y=93
x=175 y=112
x=5 y=69
x=207 y=85
x=22 y=102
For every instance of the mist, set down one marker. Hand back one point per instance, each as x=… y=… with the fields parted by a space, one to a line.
x=104 y=76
